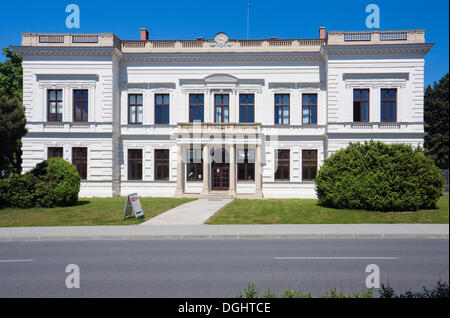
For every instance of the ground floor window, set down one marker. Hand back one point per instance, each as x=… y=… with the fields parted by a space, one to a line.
x=246 y=164
x=309 y=165
x=283 y=165
x=162 y=164
x=55 y=152
x=79 y=160
x=135 y=164
x=194 y=166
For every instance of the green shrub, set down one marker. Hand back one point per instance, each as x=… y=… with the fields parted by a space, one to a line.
x=3 y=193
x=379 y=177
x=58 y=183
x=19 y=191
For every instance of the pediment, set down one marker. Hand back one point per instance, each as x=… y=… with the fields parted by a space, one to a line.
x=220 y=78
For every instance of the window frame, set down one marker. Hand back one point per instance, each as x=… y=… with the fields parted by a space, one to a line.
x=51 y=150
x=136 y=105
x=388 y=100
x=162 y=162
x=246 y=165
x=196 y=106
x=247 y=106
x=133 y=165
x=310 y=163
x=76 y=162
x=282 y=105
x=360 y=101
x=74 y=102
x=222 y=106
x=283 y=163
x=56 y=101
x=309 y=105
x=164 y=107
x=197 y=166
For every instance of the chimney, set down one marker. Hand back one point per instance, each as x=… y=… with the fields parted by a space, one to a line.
x=322 y=33
x=144 y=34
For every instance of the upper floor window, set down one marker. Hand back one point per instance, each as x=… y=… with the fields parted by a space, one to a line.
x=309 y=104
x=222 y=107
x=162 y=109
x=246 y=164
x=54 y=152
x=55 y=105
x=80 y=105
x=283 y=165
x=135 y=164
x=309 y=165
x=162 y=164
x=360 y=105
x=389 y=104
x=79 y=160
x=196 y=107
x=195 y=165
x=282 y=102
x=247 y=108
x=135 y=108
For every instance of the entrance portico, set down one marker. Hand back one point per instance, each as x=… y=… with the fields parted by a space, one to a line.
x=218 y=144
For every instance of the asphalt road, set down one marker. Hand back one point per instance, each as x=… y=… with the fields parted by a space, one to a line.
x=217 y=268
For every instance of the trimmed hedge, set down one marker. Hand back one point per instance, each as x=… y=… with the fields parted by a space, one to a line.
x=379 y=177
x=54 y=182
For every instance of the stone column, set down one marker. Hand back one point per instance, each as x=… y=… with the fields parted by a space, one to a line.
x=258 y=171
x=232 y=170
x=179 y=192
x=205 y=189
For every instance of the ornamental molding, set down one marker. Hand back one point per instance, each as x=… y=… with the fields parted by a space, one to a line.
x=220 y=41
x=222 y=57
x=409 y=48
x=68 y=51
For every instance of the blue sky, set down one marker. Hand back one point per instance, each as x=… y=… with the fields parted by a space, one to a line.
x=178 y=19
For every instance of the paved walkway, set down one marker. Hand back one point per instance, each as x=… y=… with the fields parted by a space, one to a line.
x=193 y=213
x=280 y=231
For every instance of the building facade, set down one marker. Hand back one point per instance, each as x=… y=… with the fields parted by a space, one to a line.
x=210 y=117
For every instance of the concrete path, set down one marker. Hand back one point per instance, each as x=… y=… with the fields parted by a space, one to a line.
x=278 y=231
x=193 y=213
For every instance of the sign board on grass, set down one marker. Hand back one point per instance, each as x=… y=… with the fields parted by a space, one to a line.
x=133 y=204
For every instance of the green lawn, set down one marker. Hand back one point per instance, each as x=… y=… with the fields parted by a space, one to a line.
x=108 y=211
x=305 y=211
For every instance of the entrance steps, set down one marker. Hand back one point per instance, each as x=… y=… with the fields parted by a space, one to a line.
x=217 y=196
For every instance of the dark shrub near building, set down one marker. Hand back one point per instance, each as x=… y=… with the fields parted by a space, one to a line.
x=379 y=177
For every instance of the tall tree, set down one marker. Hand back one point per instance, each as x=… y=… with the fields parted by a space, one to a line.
x=11 y=75
x=436 y=121
x=12 y=129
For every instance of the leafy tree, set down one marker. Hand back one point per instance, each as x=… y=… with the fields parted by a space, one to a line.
x=436 y=122
x=11 y=75
x=12 y=129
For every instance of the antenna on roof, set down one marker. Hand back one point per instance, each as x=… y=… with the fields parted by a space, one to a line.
x=248 y=19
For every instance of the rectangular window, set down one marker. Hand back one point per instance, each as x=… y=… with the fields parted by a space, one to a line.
x=309 y=104
x=135 y=164
x=55 y=105
x=162 y=109
x=309 y=165
x=135 y=108
x=162 y=164
x=360 y=105
x=246 y=108
x=196 y=107
x=282 y=102
x=194 y=166
x=222 y=106
x=55 y=152
x=283 y=165
x=389 y=105
x=80 y=105
x=79 y=160
x=246 y=164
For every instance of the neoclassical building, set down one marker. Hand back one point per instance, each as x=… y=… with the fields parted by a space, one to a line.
x=216 y=117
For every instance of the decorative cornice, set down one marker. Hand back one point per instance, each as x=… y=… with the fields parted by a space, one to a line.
x=422 y=48
x=221 y=57
x=67 y=51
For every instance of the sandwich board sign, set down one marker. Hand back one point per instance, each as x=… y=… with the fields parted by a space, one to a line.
x=133 y=204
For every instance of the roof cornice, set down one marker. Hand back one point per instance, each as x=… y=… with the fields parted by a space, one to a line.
x=66 y=51
x=422 y=48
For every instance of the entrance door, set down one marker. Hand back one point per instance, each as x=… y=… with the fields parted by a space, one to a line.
x=220 y=176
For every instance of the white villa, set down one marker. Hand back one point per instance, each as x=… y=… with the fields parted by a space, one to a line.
x=216 y=117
